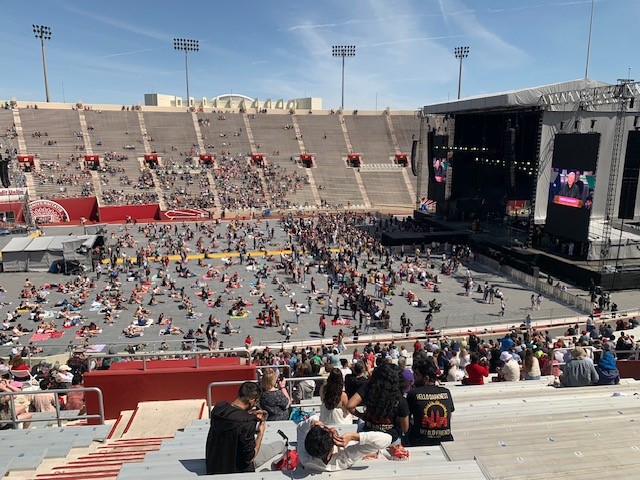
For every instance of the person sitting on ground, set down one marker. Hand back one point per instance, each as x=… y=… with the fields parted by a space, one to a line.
x=607 y=370
x=234 y=443
x=431 y=406
x=334 y=400
x=274 y=398
x=578 y=372
x=322 y=449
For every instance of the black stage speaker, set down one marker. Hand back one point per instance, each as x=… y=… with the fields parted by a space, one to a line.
x=509 y=156
x=4 y=172
x=414 y=160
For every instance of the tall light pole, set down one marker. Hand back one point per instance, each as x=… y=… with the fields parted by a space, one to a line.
x=187 y=46
x=460 y=53
x=343 y=51
x=43 y=33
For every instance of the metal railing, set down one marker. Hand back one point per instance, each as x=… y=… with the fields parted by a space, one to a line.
x=178 y=355
x=288 y=381
x=15 y=421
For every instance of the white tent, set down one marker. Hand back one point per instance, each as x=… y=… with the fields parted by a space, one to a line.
x=14 y=258
x=39 y=257
x=39 y=254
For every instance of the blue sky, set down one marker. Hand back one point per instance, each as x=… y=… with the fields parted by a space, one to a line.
x=115 y=51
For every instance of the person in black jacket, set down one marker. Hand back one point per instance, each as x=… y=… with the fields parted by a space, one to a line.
x=234 y=443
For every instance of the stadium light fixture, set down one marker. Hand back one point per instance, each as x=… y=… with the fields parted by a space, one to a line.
x=343 y=51
x=186 y=45
x=460 y=53
x=43 y=33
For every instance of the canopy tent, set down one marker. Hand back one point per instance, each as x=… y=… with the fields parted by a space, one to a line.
x=95 y=229
x=14 y=258
x=39 y=254
x=79 y=249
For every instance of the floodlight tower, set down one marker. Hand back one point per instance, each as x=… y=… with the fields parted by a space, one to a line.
x=186 y=45
x=343 y=51
x=43 y=33
x=460 y=53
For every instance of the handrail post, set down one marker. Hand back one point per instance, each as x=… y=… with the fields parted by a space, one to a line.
x=14 y=417
x=57 y=404
x=144 y=362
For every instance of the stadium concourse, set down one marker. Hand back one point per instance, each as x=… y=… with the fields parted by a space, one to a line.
x=522 y=430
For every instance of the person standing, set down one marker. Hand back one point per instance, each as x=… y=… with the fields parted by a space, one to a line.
x=234 y=443
x=538 y=301
x=287 y=332
x=323 y=325
x=298 y=311
x=330 y=306
x=503 y=306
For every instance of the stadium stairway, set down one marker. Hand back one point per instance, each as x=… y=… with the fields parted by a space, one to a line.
x=133 y=435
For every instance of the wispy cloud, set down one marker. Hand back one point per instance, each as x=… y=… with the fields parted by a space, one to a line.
x=409 y=40
x=127 y=53
x=135 y=28
x=260 y=62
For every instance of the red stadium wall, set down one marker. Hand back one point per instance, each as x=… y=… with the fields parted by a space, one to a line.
x=16 y=208
x=77 y=208
x=136 y=212
x=123 y=389
x=629 y=369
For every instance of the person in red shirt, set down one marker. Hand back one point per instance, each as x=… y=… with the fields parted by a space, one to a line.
x=476 y=370
x=248 y=342
x=417 y=346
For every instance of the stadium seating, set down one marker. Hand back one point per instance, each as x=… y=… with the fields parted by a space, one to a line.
x=121 y=138
x=335 y=181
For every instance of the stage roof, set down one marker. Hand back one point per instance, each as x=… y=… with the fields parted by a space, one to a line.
x=528 y=97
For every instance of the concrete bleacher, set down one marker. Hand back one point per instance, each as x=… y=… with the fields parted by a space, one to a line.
x=386 y=188
x=61 y=170
x=61 y=127
x=370 y=136
x=530 y=430
x=183 y=457
x=226 y=124
x=171 y=135
x=407 y=129
x=121 y=144
x=271 y=137
x=336 y=182
x=24 y=450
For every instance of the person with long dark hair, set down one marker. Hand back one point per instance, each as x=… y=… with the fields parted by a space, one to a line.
x=385 y=408
x=334 y=400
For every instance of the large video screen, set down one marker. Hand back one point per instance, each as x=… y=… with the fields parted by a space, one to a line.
x=572 y=183
x=440 y=165
x=572 y=188
x=439 y=161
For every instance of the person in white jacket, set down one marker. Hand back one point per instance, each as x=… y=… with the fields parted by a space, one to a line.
x=322 y=449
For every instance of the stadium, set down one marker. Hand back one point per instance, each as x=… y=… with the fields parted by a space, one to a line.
x=190 y=285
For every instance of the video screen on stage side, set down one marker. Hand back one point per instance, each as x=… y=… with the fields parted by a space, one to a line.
x=439 y=160
x=572 y=184
x=440 y=169
x=572 y=188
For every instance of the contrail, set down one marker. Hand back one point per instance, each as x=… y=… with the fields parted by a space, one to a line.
x=128 y=53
